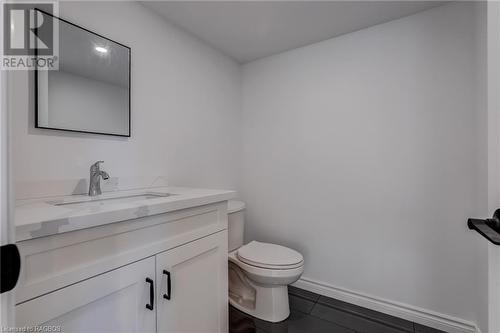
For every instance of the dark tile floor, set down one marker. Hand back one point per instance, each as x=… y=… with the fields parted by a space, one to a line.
x=313 y=313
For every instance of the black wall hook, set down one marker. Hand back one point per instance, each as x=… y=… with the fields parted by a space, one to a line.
x=488 y=228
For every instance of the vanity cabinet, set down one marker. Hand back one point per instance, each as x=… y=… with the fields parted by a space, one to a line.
x=164 y=273
x=111 y=302
x=192 y=284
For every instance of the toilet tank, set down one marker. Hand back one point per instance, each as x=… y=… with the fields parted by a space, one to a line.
x=235 y=223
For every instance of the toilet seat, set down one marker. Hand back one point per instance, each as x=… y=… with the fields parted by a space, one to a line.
x=269 y=256
x=267 y=275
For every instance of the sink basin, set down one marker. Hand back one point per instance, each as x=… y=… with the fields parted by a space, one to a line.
x=98 y=201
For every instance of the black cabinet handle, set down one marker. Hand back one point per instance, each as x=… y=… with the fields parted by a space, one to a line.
x=167 y=295
x=151 y=304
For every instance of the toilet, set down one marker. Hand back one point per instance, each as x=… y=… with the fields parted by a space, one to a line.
x=259 y=273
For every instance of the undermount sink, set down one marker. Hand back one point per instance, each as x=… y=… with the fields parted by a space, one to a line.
x=102 y=200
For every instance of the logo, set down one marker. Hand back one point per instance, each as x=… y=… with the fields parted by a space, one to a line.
x=29 y=36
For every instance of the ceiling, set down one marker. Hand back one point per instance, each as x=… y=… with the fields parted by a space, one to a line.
x=248 y=30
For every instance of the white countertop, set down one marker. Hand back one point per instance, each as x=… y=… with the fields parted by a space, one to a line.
x=41 y=217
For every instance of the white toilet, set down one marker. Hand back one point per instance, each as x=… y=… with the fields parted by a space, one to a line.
x=259 y=273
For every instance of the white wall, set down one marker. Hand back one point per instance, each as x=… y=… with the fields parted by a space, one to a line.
x=185 y=112
x=366 y=153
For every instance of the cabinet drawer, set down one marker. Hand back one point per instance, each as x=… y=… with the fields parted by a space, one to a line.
x=110 y=302
x=53 y=262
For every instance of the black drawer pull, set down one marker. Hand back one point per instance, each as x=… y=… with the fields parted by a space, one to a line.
x=151 y=304
x=169 y=288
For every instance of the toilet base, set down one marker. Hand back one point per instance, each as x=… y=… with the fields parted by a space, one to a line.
x=266 y=302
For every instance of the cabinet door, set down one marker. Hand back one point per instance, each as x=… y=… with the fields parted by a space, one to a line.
x=111 y=302
x=198 y=286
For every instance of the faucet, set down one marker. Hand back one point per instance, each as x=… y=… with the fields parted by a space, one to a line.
x=95 y=180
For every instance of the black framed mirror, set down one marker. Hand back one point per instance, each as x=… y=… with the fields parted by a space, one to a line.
x=90 y=91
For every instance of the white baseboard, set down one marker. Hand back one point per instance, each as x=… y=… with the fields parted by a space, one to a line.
x=411 y=313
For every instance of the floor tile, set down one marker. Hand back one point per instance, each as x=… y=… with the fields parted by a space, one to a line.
x=303 y=293
x=300 y=322
x=300 y=304
x=401 y=324
x=424 y=329
x=240 y=322
x=352 y=321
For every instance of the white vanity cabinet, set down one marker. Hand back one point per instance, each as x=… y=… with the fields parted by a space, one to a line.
x=113 y=278
x=192 y=284
x=111 y=302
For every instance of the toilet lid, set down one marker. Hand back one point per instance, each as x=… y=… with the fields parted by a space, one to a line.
x=269 y=255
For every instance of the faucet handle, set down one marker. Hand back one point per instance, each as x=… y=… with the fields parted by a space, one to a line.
x=96 y=165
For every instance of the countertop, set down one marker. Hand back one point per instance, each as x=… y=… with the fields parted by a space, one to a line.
x=42 y=217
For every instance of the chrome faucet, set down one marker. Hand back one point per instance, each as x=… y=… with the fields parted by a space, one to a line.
x=95 y=180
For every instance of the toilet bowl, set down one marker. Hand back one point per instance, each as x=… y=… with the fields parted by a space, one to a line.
x=259 y=273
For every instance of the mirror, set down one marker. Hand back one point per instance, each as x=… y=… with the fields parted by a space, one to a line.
x=90 y=92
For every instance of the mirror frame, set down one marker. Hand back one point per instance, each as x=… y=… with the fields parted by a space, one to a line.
x=128 y=135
